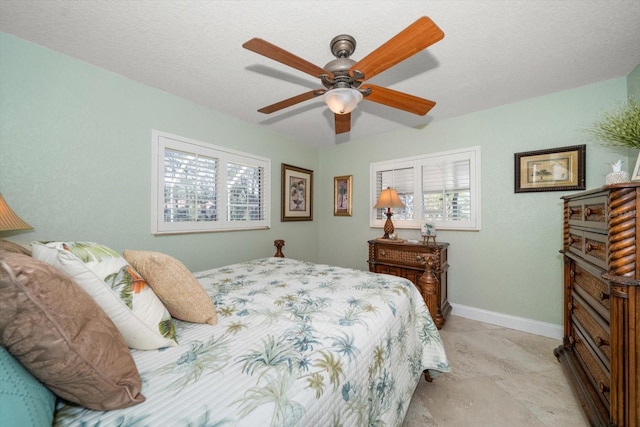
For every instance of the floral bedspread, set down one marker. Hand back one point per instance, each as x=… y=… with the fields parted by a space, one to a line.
x=296 y=344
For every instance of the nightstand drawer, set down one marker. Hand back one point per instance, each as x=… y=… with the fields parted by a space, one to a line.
x=386 y=269
x=398 y=256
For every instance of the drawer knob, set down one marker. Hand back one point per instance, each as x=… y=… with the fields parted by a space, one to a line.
x=603 y=387
x=572 y=274
x=601 y=341
x=590 y=247
x=382 y=252
x=570 y=306
x=603 y=295
x=572 y=340
x=587 y=212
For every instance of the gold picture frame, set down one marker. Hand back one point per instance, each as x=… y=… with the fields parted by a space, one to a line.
x=635 y=176
x=297 y=194
x=342 y=195
x=554 y=169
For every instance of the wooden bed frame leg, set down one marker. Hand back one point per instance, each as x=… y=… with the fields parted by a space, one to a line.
x=427 y=377
x=278 y=244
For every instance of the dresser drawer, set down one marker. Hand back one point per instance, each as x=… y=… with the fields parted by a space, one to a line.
x=594 y=329
x=596 y=371
x=589 y=245
x=589 y=212
x=595 y=291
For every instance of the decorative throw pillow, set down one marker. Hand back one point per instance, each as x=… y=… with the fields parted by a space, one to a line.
x=10 y=246
x=179 y=291
x=122 y=293
x=24 y=401
x=58 y=332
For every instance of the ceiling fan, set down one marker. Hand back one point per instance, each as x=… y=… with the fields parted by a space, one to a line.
x=343 y=77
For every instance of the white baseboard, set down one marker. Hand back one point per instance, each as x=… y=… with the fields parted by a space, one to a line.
x=512 y=322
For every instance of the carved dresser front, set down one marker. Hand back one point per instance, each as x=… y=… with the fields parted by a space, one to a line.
x=600 y=353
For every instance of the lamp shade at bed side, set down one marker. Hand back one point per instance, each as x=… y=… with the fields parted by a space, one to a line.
x=9 y=220
x=389 y=199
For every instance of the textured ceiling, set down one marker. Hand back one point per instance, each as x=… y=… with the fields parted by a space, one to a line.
x=494 y=52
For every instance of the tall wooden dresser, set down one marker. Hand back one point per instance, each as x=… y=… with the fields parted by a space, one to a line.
x=600 y=353
x=407 y=260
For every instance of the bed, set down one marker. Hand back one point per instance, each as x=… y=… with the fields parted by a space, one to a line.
x=295 y=344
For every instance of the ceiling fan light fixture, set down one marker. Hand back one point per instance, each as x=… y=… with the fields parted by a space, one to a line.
x=342 y=100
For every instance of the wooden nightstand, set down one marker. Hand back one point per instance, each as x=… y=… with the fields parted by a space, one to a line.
x=408 y=260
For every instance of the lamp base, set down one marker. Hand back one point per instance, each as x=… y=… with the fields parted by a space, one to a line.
x=388 y=225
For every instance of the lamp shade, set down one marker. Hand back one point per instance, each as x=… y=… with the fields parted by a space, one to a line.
x=389 y=199
x=9 y=220
x=342 y=100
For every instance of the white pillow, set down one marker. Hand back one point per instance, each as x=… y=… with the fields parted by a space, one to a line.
x=122 y=293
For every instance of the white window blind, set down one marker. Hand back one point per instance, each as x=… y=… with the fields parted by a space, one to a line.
x=402 y=180
x=245 y=198
x=190 y=187
x=199 y=187
x=446 y=190
x=441 y=187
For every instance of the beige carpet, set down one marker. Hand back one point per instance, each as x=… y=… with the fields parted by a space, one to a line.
x=500 y=377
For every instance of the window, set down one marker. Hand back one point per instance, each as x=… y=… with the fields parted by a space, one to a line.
x=441 y=187
x=197 y=187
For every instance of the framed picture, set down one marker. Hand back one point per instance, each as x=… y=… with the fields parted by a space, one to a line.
x=297 y=194
x=555 y=169
x=636 y=171
x=342 y=191
x=428 y=229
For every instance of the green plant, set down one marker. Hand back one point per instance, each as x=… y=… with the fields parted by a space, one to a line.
x=621 y=127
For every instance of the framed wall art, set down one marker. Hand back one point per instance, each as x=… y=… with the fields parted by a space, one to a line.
x=297 y=194
x=635 y=176
x=554 y=169
x=342 y=195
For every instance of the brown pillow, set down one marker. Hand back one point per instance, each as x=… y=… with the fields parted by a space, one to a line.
x=10 y=246
x=57 y=331
x=171 y=280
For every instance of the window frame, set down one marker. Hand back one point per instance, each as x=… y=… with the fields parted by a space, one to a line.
x=160 y=141
x=416 y=163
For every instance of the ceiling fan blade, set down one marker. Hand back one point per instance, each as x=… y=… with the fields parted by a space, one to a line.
x=291 y=101
x=276 y=53
x=416 y=37
x=343 y=123
x=400 y=100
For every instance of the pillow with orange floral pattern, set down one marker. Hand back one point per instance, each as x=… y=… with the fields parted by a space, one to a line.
x=123 y=294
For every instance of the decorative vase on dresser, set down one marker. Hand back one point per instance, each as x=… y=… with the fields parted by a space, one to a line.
x=600 y=354
x=424 y=264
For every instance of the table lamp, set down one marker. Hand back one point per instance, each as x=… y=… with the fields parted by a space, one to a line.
x=389 y=199
x=9 y=220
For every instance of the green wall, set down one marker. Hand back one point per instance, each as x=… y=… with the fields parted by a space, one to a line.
x=75 y=145
x=75 y=149
x=512 y=266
